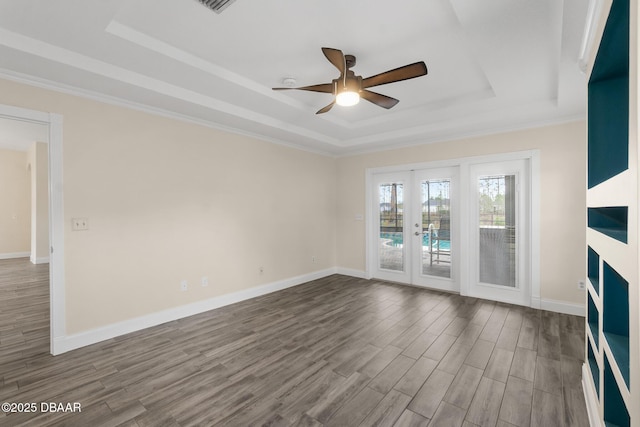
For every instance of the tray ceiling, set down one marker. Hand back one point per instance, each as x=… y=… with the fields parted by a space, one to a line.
x=494 y=65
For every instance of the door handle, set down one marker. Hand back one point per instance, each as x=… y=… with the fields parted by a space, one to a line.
x=417 y=233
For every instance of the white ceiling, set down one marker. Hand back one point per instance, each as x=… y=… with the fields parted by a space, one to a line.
x=494 y=65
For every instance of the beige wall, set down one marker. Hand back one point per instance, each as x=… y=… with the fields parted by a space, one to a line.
x=15 y=219
x=168 y=201
x=37 y=159
x=562 y=185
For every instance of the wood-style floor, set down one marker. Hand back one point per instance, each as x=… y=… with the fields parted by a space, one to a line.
x=333 y=352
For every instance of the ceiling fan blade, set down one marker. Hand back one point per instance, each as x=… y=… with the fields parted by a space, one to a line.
x=403 y=73
x=325 y=109
x=380 y=100
x=324 y=88
x=336 y=57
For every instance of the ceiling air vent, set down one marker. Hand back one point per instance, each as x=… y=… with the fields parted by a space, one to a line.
x=216 y=5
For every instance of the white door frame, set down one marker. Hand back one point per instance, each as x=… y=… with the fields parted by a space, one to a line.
x=533 y=156
x=57 y=327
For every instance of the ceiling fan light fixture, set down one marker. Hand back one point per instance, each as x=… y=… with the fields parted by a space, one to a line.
x=348 y=88
x=347 y=98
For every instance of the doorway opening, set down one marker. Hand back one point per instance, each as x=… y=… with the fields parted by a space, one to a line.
x=54 y=218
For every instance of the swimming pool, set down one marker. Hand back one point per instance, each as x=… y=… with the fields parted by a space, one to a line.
x=396 y=240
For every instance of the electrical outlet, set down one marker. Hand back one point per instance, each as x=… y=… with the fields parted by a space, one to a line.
x=184 y=285
x=79 y=224
x=204 y=281
x=581 y=285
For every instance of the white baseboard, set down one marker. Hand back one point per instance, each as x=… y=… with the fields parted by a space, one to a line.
x=12 y=255
x=535 y=302
x=41 y=260
x=590 y=397
x=82 y=339
x=563 y=307
x=351 y=272
x=538 y=303
x=71 y=342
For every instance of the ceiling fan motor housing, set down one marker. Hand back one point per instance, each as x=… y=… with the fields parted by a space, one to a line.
x=350 y=83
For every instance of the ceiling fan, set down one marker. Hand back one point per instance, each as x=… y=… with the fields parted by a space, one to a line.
x=349 y=88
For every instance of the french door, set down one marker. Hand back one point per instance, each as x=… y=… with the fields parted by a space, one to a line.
x=499 y=231
x=434 y=229
x=463 y=228
x=416 y=227
x=391 y=193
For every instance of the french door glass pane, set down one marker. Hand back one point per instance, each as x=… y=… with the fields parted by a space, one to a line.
x=497 y=229
x=436 y=227
x=391 y=227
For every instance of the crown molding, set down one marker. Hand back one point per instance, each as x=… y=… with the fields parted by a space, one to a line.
x=449 y=137
x=380 y=141
x=345 y=151
x=119 y=102
x=82 y=62
x=594 y=26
